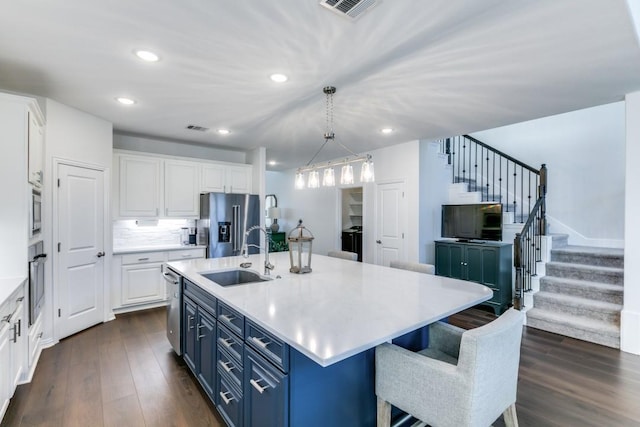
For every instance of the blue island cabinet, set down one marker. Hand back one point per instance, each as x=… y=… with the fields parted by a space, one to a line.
x=283 y=387
x=256 y=380
x=199 y=335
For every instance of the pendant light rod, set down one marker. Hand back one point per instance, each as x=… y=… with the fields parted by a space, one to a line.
x=334 y=163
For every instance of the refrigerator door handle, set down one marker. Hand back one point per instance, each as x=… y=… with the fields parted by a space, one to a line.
x=235 y=233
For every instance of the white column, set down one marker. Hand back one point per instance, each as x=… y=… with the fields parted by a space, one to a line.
x=630 y=321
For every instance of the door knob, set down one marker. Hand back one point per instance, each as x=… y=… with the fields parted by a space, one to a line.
x=100 y=254
x=379 y=242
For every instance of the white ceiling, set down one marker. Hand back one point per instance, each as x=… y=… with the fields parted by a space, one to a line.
x=428 y=69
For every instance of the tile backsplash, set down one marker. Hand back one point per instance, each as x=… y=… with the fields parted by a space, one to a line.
x=132 y=233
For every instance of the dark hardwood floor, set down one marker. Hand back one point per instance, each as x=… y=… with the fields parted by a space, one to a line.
x=124 y=373
x=120 y=373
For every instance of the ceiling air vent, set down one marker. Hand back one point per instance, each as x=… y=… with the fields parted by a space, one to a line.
x=349 y=8
x=198 y=128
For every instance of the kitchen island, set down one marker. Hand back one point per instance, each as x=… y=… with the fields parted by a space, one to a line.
x=309 y=339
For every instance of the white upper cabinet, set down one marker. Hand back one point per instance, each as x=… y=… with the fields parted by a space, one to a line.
x=238 y=179
x=151 y=186
x=139 y=186
x=181 y=195
x=222 y=178
x=212 y=178
x=36 y=148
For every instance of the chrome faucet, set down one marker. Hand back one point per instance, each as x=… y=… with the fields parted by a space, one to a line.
x=245 y=250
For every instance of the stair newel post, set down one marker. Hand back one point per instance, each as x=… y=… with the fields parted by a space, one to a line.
x=542 y=194
x=517 y=263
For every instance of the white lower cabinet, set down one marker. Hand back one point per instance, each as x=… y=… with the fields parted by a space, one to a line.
x=13 y=345
x=141 y=278
x=138 y=281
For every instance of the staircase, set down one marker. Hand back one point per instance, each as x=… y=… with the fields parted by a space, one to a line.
x=581 y=294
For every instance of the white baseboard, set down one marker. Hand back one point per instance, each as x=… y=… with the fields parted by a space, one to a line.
x=577 y=239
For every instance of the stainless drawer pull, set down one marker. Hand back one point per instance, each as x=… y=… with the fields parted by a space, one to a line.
x=20 y=299
x=143 y=259
x=189 y=319
x=226 y=399
x=227 y=318
x=198 y=335
x=257 y=386
x=260 y=343
x=226 y=342
x=19 y=327
x=7 y=318
x=227 y=366
x=15 y=332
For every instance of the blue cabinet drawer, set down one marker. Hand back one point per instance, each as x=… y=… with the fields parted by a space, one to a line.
x=266 y=392
x=199 y=296
x=229 y=402
x=267 y=345
x=230 y=342
x=227 y=365
x=231 y=319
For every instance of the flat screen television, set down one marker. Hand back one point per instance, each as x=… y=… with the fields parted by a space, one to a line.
x=482 y=221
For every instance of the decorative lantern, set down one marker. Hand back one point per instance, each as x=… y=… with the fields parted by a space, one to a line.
x=300 y=249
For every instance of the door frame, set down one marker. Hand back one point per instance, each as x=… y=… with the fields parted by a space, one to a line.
x=107 y=313
x=404 y=213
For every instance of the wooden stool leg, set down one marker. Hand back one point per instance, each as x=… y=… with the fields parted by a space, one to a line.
x=510 y=416
x=384 y=413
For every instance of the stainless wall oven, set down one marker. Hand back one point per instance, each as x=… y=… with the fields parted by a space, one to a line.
x=36 y=280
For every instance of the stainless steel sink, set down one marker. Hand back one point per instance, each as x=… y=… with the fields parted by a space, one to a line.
x=234 y=277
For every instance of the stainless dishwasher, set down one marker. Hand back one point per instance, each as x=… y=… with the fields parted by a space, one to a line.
x=174 y=290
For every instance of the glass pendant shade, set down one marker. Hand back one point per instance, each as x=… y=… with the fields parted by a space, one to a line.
x=346 y=177
x=314 y=179
x=328 y=178
x=366 y=173
x=299 y=180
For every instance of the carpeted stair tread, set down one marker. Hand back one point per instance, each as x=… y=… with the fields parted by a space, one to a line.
x=583 y=288
x=596 y=273
x=589 y=255
x=579 y=307
x=576 y=327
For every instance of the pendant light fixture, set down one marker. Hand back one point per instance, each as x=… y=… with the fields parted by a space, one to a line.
x=328 y=175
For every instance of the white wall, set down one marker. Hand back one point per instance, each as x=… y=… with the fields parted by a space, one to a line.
x=316 y=207
x=435 y=178
x=584 y=154
x=75 y=136
x=630 y=321
x=170 y=148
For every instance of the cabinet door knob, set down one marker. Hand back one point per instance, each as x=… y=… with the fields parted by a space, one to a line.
x=379 y=242
x=100 y=254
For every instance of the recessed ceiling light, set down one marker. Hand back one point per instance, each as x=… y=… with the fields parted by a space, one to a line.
x=146 y=55
x=278 y=78
x=272 y=163
x=125 y=101
x=224 y=131
x=386 y=130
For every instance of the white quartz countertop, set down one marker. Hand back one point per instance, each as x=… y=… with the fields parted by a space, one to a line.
x=8 y=285
x=341 y=308
x=138 y=249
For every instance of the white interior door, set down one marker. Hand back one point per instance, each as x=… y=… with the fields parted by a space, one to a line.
x=391 y=220
x=80 y=265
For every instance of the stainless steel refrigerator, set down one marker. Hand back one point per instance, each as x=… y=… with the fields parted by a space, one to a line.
x=227 y=217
